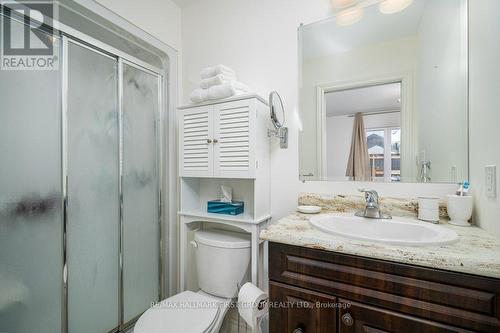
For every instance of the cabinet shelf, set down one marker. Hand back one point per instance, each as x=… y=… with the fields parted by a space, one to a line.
x=242 y=218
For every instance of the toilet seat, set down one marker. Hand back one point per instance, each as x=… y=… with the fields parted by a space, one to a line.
x=186 y=312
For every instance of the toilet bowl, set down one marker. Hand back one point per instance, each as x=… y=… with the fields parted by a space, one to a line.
x=222 y=262
x=186 y=312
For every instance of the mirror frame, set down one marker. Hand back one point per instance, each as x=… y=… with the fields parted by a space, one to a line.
x=274 y=119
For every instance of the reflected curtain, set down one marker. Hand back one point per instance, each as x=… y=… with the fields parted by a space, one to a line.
x=358 y=164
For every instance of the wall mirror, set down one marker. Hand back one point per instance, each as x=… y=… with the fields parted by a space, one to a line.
x=383 y=93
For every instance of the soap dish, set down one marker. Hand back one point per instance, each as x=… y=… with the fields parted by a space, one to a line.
x=309 y=209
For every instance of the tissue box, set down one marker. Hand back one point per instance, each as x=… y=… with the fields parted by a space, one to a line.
x=228 y=208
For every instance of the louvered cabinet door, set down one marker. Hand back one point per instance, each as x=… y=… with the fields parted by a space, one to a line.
x=196 y=147
x=233 y=151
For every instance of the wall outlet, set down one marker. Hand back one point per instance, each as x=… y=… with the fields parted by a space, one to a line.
x=490 y=181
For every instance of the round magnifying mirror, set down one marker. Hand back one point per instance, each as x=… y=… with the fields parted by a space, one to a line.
x=277 y=110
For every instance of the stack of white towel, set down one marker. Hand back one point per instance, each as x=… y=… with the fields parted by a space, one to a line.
x=217 y=82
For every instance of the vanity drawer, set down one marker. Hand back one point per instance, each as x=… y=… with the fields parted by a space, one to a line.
x=467 y=301
x=297 y=310
x=356 y=317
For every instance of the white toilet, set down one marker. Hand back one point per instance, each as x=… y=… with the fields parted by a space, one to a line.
x=222 y=262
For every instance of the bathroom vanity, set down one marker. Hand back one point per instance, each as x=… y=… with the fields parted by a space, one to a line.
x=321 y=282
x=322 y=291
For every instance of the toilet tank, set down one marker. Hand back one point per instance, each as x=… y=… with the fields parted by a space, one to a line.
x=222 y=261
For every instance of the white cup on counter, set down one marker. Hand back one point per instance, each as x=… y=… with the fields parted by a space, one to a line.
x=428 y=209
x=460 y=210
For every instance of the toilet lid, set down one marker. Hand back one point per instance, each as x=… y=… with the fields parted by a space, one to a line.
x=187 y=312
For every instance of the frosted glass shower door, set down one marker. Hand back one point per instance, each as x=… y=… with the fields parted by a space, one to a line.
x=141 y=228
x=30 y=198
x=93 y=191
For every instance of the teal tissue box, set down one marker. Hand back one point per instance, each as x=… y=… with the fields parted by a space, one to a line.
x=228 y=208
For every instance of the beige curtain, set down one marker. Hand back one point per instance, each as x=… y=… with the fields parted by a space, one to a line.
x=358 y=165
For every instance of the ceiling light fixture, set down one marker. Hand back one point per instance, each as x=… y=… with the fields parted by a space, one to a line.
x=393 y=6
x=342 y=3
x=349 y=16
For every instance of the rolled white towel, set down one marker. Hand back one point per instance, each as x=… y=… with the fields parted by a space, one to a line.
x=221 y=80
x=216 y=70
x=224 y=90
x=221 y=91
x=199 y=95
x=216 y=80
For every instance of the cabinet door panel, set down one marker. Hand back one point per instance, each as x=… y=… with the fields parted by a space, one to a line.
x=233 y=152
x=298 y=310
x=360 y=318
x=196 y=147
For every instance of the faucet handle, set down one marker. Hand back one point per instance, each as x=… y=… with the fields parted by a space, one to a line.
x=371 y=196
x=365 y=190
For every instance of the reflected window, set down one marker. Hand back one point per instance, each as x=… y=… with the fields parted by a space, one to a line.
x=376 y=144
x=396 y=154
x=385 y=164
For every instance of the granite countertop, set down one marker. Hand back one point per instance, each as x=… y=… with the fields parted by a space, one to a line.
x=476 y=251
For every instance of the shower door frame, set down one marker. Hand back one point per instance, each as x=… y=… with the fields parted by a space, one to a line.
x=159 y=168
x=66 y=34
x=69 y=35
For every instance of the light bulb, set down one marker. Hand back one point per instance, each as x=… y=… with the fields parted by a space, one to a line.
x=342 y=3
x=393 y=6
x=349 y=16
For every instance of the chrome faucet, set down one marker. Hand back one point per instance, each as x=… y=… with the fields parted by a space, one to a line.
x=372 y=208
x=425 y=171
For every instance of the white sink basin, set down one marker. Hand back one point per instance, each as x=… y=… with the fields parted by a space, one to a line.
x=398 y=231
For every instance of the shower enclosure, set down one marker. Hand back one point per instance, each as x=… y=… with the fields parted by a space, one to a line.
x=80 y=185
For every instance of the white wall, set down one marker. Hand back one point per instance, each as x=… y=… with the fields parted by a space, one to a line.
x=338 y=145
x=160 y=18
x=485 y=107
x=259 y=40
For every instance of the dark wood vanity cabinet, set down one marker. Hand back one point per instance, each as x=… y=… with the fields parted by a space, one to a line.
x=297 y=310
x=314 y=291
x=360 y=317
